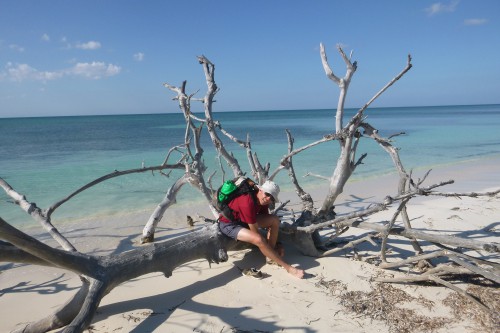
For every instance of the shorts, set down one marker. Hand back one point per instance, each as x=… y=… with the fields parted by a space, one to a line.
x=232 y=229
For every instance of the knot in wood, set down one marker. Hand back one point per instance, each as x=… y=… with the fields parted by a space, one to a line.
x=329 y=136
x=222 y=255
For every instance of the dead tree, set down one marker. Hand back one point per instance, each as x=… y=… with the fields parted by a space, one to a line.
x=304 y=229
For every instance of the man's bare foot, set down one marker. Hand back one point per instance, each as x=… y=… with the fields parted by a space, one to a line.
x=297 y=272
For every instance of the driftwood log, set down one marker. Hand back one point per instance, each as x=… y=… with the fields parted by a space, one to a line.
x=304 y=230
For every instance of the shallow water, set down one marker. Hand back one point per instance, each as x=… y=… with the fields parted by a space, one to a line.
x=48 y=158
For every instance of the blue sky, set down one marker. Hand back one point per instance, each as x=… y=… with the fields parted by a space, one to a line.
x=112 y=57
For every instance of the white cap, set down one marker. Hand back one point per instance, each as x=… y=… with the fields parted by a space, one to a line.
x=272 y=188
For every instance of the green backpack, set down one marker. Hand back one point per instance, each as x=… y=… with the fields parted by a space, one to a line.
x=232 y=189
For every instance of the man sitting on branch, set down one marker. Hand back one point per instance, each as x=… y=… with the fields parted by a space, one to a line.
x=249 y=212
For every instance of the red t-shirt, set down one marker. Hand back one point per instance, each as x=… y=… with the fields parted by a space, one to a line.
x=245 y=209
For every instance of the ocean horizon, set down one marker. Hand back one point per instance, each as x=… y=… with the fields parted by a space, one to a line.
x=348 y=110
x=47 y=158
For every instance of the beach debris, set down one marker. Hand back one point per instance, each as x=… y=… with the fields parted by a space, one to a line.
x=190 y=221
x=131 y=317
x=488 y=294
x=387 y=303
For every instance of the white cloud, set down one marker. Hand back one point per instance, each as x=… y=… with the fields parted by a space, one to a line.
x=24 y=72
x=139 y=56
x=64 y=41
x=439 y=7
x=45 y=38
x=16 y=47
x=91 y=45
x=94 y=70
x=475 y=21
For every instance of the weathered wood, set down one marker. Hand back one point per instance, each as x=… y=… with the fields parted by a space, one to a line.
x=170 y=198
x=346 y=163
x=491 y=247
x=107 y=272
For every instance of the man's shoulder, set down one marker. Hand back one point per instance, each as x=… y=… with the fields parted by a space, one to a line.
x=245 y=198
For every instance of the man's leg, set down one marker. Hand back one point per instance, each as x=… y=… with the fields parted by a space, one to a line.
x=272 y=224
x=253 y=237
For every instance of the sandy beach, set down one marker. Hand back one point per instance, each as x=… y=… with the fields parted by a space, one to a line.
x=217 y=298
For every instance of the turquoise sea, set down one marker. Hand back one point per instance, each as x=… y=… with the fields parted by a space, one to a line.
x=47 y=158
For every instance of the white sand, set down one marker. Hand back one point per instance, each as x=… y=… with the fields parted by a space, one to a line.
x=200 y=298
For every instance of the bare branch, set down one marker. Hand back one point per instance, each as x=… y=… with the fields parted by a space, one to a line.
x=326 y=138
x=73 y=261
x=351 y=244
x=35 y=212
x=466 y=194
x=356 y=118
x=307 y=201
x=114 y=174
x=326 y=66
x=310 y=174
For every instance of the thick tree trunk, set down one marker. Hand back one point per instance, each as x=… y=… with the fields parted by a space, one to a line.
x=340 y=176
x=107 y=272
